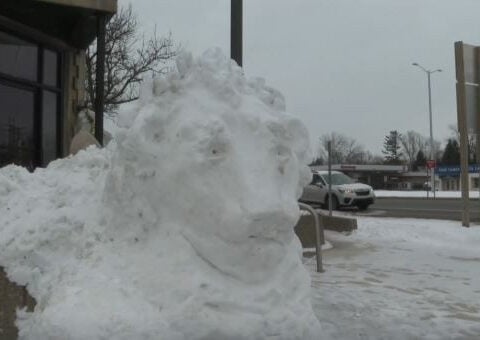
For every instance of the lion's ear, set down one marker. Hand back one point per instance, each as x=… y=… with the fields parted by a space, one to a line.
x=298 y=135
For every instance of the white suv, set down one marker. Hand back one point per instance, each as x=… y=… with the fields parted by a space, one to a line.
x=345 y=191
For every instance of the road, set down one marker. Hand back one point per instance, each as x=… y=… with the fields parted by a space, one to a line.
x=444 y=209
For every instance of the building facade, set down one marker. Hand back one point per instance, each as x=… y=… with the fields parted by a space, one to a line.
x=450 y=177
x=389 y=177
x=376 y=175
x=42 y=70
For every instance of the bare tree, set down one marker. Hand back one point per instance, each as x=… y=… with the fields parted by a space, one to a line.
x=344 y=149
x=374 y=159
x=411 y=143
x=129 y=57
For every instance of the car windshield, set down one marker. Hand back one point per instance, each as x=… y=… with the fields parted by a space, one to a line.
x=338 y=179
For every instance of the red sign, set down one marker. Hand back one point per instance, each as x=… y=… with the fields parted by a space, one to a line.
x=431 y=164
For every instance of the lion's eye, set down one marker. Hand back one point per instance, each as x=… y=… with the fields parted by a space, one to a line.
x=215 y=143
x=282 y=152
x=283 y=155
x=217 y=149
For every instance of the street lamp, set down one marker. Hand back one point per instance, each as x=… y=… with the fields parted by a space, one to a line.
x=429 y=72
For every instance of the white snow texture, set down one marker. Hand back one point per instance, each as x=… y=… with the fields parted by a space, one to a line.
x=182 y=228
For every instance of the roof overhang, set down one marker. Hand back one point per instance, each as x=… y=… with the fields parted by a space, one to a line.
x=363 y=168
x=74 y=22
x=108 y=6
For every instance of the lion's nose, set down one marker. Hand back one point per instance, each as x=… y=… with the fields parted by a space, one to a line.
x=274 y=223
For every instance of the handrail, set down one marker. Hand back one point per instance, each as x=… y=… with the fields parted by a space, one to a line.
x=318 y=235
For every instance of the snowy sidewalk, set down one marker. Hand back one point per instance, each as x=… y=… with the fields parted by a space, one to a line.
x=400 y=279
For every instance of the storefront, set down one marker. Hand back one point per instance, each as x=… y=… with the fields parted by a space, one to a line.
x=379 y=176
x=450 y=177
x=42 y=70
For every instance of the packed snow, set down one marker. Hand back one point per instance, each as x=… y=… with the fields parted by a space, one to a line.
x=182 y=228
x=400 y=279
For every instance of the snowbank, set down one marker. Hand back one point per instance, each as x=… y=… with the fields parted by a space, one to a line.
x=181 y=229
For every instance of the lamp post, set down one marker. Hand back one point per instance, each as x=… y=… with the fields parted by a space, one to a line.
x=429 y=72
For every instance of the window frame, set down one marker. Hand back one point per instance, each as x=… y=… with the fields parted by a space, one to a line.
x=38 y=87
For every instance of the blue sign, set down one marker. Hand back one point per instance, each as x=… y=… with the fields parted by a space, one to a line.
x=454 y=170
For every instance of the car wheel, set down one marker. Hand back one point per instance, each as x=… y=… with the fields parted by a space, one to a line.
x=334 y=202
x=362 y=206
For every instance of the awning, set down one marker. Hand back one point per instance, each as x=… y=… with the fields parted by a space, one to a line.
x=73 y=22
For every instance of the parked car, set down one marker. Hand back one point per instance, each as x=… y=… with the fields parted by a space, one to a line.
x=345 y=191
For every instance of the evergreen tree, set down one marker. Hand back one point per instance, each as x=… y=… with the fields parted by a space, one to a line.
x=317 y=161
x=420 y=160
x=391 y=148
x=451 y=155
x=472 y=152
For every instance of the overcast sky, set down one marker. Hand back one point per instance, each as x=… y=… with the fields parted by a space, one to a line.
x=343 y=65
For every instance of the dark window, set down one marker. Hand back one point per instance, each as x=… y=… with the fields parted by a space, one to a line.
x=475 y=183
x=315 y=179
x=50 y=68
x=30 y=76
x=49 y=126
x=18 y=58
x=17 y=126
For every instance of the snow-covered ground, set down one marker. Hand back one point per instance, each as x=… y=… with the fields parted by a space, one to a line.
x=439 y=194
x=400 y=279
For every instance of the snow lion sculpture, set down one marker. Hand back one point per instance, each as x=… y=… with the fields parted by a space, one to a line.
x=213 y=159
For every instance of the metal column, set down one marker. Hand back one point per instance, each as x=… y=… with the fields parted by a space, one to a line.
x=236 y=31
x=100 y=78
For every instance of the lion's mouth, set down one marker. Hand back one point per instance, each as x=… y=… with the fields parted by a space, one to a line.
x=248 y=260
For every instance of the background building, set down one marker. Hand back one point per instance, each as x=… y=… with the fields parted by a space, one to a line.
x=376 y=175
x=450 y=177
x=379 y=176
x=42 y=70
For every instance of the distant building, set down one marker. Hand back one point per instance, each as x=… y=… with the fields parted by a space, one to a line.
x=397 y=177
x=379 y=176
x=450 y=177
x=42 y=70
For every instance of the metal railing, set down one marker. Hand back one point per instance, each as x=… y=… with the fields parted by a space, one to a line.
x=319 y=235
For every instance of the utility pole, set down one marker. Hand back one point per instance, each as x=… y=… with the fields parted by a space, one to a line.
x=236 y=31
x=432 y=152
x=329 y=147
x=432 y=147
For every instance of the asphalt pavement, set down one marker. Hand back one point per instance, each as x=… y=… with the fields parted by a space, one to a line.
x=440 y=208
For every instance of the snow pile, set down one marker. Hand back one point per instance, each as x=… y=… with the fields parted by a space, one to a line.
x=181 y=229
